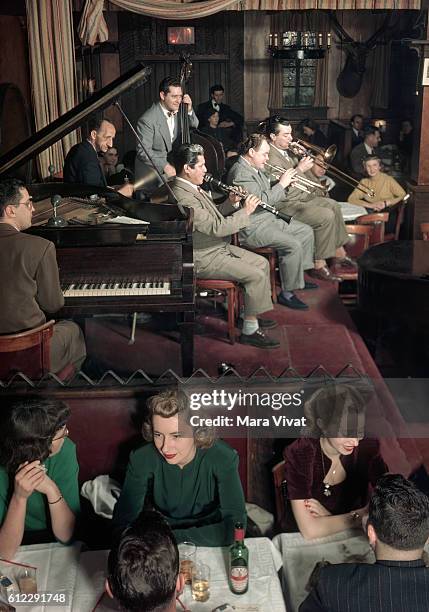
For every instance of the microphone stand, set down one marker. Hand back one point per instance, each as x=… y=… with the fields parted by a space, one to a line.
x=170 y=191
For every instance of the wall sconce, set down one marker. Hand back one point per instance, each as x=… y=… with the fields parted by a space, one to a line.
x=299 y=45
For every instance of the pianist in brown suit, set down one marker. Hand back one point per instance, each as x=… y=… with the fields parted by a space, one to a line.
x=29 y=272
x=214 y=256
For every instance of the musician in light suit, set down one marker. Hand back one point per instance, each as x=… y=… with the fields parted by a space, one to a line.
x=214 y=256
x=160 y=130
x=320 y=212
x=29 y=272
x=294 y=242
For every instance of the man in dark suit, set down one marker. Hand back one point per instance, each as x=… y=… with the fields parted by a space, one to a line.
x=82 y=164
x=229 y=120
x=370 y=142
x=29 y=272
x=397 y=528
x=356 y=123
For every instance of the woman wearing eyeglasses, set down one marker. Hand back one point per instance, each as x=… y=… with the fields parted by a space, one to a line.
x=39 y=493
x=184 y=473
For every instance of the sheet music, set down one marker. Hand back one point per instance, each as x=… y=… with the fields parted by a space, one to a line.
x=127 y=221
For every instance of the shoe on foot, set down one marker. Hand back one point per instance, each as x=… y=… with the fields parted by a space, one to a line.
x=345 y=262
x=292 y=302
x=324 y=274
x=259 y=339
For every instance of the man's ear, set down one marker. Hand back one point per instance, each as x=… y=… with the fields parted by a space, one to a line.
x=162 y=95
x=108 y=589
x=93 y=135
x=272 y=136
x=180 y=583
x=372 y=536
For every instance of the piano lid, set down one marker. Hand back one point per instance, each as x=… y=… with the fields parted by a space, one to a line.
x=114 y=201
x=48 y=135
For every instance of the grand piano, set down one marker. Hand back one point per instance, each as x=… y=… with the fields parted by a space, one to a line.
x=108 y=265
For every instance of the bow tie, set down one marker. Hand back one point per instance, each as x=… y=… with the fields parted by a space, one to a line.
x=170 y=114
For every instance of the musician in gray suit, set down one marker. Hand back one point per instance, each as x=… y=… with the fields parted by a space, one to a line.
x=294 y=242
x=160 y=130
x=397 y=529
x=214 y=256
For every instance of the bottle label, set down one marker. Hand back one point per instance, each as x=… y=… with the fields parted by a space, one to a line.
x=239 y=578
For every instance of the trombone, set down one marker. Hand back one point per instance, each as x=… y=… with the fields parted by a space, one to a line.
x=301 y=148
x=300 y=182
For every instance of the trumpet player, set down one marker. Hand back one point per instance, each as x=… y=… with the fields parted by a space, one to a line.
x=321 y=213
x=214 y=256
x=293 y=242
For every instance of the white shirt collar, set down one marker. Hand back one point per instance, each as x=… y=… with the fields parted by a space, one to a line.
x=215 y=105
x=196 y=187
x=369 y=150
x=282 y=152
x=165 y=111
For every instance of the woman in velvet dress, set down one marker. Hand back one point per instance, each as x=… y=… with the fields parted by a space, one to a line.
x=186 y=475
x=330 y=471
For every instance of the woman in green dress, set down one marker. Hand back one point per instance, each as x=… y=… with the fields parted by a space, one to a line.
x=185 y=474
x=39 y=493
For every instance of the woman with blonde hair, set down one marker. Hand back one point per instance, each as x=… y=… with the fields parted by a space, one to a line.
x=184 y=473
x=329 y=471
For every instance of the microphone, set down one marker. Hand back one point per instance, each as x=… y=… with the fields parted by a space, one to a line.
x=56 y=221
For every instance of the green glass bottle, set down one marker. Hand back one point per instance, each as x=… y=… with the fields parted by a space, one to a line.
x=238 y=563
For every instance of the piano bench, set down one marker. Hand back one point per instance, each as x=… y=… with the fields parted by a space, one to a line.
x=28 y=352
x=229 y=289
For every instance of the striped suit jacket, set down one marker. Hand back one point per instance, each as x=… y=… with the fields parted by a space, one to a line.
x=385 y=586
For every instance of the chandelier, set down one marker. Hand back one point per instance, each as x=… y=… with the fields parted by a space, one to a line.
x=299 y=45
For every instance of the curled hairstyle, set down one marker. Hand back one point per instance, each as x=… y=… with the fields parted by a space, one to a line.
x=333 y=412
x=399 y=513
x=10 y=193
x=368 y=158
x=167 y=82
x=254 y=141
x=186 y=154
x=168 y=404
x=29 y=427
x=143 y=566
x=271 y=125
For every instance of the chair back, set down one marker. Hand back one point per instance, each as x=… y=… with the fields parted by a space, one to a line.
x=280 y=492
x=400 y=210
x=378 y=221
x=359 y=239
x=424 y=228
x=27 y=352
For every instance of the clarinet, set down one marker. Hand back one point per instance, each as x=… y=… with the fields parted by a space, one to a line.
x=213 y=182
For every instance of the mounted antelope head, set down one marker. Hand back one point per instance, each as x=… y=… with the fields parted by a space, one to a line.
x=349 y=80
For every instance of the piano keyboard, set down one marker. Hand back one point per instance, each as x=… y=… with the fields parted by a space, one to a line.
x=114 y=289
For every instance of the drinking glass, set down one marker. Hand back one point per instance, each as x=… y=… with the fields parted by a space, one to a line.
x=201 y=582
x=26 y=578
x=187 y=554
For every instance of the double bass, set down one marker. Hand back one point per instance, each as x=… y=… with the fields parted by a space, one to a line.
x=214 y=153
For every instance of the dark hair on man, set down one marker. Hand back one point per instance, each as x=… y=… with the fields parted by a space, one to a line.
x=10 y=193
x=186 y=154
x=144 y=564
x=371 y=129
x=217 y=87
x=271 y=125
x=399 y=513
x=94 y=123
x=168 y=82
x=353 y=117
x=254 y=141
x=28 y=427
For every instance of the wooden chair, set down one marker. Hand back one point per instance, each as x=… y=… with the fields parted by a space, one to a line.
x=29 y=352
x=271 y=255
x=400 y=210
x=359 y=241
x=378 y=221
x=231 y=291
x=424 y=228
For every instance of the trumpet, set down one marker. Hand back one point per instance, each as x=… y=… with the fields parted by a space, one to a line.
x=301 y=148
x=300 y=182
x=242 y=193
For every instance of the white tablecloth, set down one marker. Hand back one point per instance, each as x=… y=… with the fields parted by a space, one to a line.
x=351 y=212
x=82 y=574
